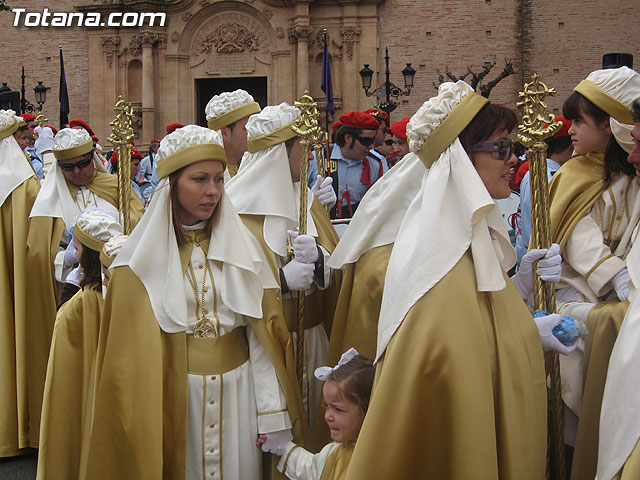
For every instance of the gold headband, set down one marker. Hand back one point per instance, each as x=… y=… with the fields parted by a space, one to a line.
x=73 y=152
x=105 y=259
x=604 y=101
x=189 y=155
x=87 y=240
x=451 y=127
x=270 y=139
x=233 y=116
x=9 y=130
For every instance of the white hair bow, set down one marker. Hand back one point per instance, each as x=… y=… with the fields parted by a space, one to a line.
x=322 y=373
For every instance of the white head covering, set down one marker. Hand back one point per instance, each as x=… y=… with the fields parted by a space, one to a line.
x=14 y=167
x=613 y=90
x=94 y=227
x=378 y=217
x=322 y=373
x=451 y=212
x=54 y=199
x=111 y=248
x=620 y=417
x=263 y=184
x=228 y=107
x=152 y=250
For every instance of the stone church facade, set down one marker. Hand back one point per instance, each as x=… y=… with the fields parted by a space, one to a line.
x=273 y=49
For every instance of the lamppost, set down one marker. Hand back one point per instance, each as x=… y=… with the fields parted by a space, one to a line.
x=387 y=89
x=40 y=92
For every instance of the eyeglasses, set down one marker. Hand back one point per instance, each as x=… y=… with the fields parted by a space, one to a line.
x=388 y=142
x=81 y=164
x=502 y=149
x=365 y=141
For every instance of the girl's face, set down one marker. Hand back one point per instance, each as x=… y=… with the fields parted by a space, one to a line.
x=343 y=417
x=495 y=174
x=587 y=135
x=78 y=247
x=199 y=189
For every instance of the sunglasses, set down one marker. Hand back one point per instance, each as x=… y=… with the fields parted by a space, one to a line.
x=365 y=141
x=388 y=142
x=502 y=149
x=81 y=164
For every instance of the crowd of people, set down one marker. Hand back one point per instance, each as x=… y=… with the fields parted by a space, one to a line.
x=174 y=351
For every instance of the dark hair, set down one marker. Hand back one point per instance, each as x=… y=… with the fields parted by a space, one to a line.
x=344 y=130
x=491 y=118
x=181 y=236
x=635 y=110
x=91 y=267
x=615 y=158
x=557 y=144
x=355 y=380
x=391 y=161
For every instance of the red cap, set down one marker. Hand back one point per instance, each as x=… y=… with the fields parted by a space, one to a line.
x=79 y=123
x=566 y=125
x=136 y=154
x=379 y=115
x=27 y=117
x=53 y=129
x=95 y=139
x=399 y=129
x=173 y=126
x=156 y=140
x=336 y=126
x=359 y=120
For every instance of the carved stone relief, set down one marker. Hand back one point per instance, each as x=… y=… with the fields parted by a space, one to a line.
x=350 y=35
x=109 y=47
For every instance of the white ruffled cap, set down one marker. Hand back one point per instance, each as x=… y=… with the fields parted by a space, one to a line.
x=70 y=137
x=225 y=102
x=15 y=167
x=270 y=119
x=98 y=224
x=621 y=83
x=186 y=137
x=114 y=244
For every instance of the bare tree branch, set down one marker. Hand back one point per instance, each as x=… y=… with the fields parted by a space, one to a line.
x=508 y=69
x=476 y=78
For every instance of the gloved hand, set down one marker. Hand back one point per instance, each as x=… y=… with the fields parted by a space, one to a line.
x=549 y=268
x=323 y=190
x=70 y=255
x=44 y=142
x=75 y=276
x=298 y=275
x=621 y=284
x=304 y=247
x=545 y=326
x=276 y=442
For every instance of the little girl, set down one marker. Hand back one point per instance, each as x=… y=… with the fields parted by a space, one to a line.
x=346 y=392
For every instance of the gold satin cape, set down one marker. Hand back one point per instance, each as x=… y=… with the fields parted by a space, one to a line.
x=42 y=244
x=69 y=387
x=460 y=391
x=631 y=468
x=338 y=462
x=139 y=429
x=21 y=353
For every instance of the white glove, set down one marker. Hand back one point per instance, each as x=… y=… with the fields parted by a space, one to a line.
x=276 y=442
x=323 y=190
x=70 y=255
x=44 y=142
x=545 y=326
x=304 y=247
x=298 y=275
x=621 y=284
x=75 y=276
x=549 y=268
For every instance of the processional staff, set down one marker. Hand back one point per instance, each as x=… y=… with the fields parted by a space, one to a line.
x=121 y=138
x=535 y=128
x=307 y=128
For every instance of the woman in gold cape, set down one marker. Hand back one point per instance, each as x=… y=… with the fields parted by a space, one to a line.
x=594 y=213
x=19 y=186
x=70 y=382
x=193 y=359
x=460 y=387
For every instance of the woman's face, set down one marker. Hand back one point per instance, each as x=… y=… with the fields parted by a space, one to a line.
x=495 y=174
x=199 y=189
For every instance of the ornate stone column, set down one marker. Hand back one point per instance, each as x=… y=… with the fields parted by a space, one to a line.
x=301 y=33
x=148 y=39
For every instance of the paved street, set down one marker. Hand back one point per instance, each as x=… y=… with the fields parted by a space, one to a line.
x=22 y=468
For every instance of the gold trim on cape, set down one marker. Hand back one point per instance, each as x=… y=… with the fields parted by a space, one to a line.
x=190 y=155
x=73 y=152
x=270 y=139
x=233 y=116
x=604 y=101
x=105 y=259
x=9 y=130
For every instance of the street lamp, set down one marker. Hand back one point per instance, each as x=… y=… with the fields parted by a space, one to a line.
x=41 y=94
x=387 y=89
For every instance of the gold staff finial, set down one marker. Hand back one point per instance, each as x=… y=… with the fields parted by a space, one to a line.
x=535 y=128
x=121 y=138
x=40 y=121
x=307 y=128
